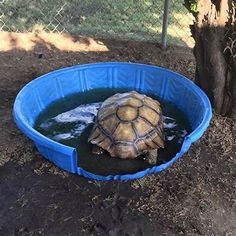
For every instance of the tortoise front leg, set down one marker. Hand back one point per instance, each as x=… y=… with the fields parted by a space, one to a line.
x=151 y=156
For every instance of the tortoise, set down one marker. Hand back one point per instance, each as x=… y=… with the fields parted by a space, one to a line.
x=128 y=125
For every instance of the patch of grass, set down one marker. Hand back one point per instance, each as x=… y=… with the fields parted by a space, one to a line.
x=123 y=19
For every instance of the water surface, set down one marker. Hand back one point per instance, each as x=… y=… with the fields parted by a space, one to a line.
x=70 y=120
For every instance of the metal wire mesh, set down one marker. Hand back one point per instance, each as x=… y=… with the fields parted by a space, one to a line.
x=179 y=21
x=119 y=19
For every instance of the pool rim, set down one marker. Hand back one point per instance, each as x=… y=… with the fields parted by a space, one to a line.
x=37 y=137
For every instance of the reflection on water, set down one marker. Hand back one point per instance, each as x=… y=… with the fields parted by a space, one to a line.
x=71 y=124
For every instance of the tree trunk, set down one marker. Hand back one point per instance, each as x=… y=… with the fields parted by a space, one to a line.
x=215 y=43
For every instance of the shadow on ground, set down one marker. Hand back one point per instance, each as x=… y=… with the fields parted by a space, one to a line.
x=194 y=197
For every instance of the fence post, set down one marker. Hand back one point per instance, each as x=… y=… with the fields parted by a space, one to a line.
x=165 y=24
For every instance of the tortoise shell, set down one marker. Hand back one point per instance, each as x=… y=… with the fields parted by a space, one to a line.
x=128 y=125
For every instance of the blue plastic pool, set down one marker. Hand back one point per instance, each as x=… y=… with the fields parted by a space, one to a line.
x=37 y=95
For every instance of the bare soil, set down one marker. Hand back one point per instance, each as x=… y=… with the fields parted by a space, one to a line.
x=196 y=196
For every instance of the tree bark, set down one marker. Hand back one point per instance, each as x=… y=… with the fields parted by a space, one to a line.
x=214 y=34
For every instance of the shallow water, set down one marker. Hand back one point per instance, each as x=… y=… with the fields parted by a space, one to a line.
x=69 y=121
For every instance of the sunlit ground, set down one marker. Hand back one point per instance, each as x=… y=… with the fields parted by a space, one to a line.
x=60 y=41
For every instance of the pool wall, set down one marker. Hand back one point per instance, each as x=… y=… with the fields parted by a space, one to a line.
x=37 y=95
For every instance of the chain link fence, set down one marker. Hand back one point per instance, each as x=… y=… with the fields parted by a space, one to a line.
x=114 y=19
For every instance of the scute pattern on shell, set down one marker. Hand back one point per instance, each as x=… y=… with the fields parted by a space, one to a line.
x=128 y=124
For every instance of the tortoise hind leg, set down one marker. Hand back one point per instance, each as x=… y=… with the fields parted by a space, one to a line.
x=97 y=150
x=151 y=156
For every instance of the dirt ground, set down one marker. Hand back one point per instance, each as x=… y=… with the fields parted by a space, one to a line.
x=196 y=196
